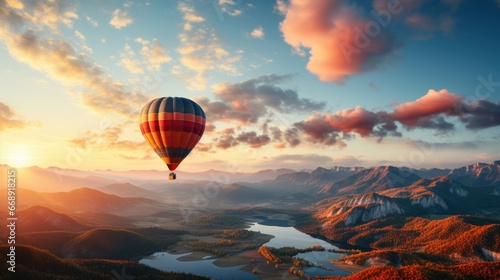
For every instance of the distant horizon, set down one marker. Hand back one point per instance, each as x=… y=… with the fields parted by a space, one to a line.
x=258 y=170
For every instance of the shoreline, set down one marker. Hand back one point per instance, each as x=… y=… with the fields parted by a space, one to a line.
x=250 y=260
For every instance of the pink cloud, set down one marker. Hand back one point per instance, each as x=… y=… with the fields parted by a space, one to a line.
x=428 y=23
x=429 y=112
x=326 y=128
x=433 y=103
x=204 y=147
x=356 y=120
x=437 y=111
x=336 y=35
x=408 y=6
x=280 y=145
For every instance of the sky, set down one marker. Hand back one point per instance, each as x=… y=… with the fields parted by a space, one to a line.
x=284 y=83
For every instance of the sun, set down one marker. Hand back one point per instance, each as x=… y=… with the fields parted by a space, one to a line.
x=19 y=159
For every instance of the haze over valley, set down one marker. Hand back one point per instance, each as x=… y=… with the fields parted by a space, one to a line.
x=386 y=219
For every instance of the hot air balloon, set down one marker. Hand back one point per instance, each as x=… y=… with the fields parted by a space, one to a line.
x=172 y=126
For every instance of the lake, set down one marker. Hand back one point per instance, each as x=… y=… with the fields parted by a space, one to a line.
x=170 y=262
x=285 y=236
x=288 y=236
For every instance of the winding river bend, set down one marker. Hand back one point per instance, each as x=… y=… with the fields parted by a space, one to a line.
x=284 y=236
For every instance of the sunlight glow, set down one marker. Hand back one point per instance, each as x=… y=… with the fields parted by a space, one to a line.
x=19 y=159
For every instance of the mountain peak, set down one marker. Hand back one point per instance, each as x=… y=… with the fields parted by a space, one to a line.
x=389 y=168
x=478 y=174
x=318 y=171
x=372 y=180
x=41 y=218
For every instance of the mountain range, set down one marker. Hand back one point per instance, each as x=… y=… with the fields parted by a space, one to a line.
x=391 y=190
x=452 y=213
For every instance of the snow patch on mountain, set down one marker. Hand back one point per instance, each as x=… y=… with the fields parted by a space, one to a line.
x=427 y=201
x=365 y=199
x=372 y=212
x=459 y=191
x=493 y=256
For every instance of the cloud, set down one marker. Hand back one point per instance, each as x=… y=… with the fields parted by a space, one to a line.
x=15 y=4
x=276 y=133
x=408 y=6
x=343 y=38
x=9 y=119
x=61 y=61
x=248 y=101
x=229 y=7
x=189 y=13
x=335 y=33
x=82 y=38
x=419 y=113
x=40 y=15
x=108 y=139
x=253 y=140
x=488 y=157
x=481 y=114
x=132 y=65
x=155 y=55
x=433 y=111
x=299 y=161
x=201 y=51
x=92 y=21
x=209 y=128
x=356 y=120
x=280 y=145
x=203 y=147
x=301 y=157
x=79 y=35
x=129 y=62
x=439 y=18
x=430 y=23
x=258 y=33
x=431 y=145
x=141 y=41
x=226 y=139
x=425 y=17
x=347 y=160
x=292 y=136
x=333 y=129
x=63 y=13
x=120 y=19
x=281 y=7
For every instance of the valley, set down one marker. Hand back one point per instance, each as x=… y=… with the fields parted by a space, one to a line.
x=348 y=222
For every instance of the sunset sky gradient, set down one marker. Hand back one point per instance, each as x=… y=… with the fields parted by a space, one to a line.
x=295 y=83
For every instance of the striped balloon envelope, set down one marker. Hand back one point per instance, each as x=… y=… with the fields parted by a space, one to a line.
x=172 y=126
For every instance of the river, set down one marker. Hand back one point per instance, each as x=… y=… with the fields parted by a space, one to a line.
x=284 y=236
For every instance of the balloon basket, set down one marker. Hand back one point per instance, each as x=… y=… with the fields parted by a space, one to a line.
x=172 y=176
